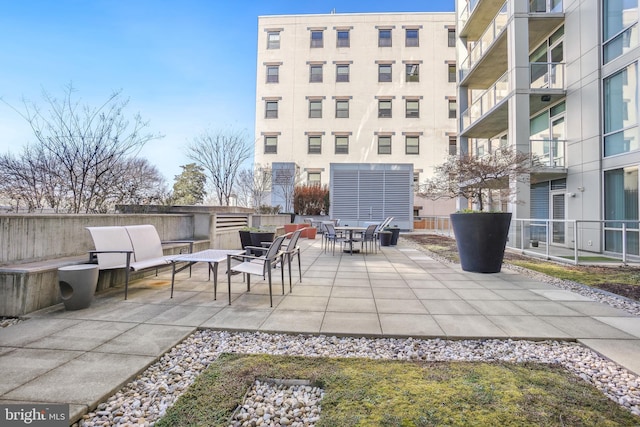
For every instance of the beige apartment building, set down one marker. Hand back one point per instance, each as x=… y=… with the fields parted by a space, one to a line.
x=558 y=79
x=355 y=89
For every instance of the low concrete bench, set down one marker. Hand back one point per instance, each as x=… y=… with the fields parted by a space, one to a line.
x=27 y=287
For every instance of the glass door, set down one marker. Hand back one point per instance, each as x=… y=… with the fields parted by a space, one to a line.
x=558 y=230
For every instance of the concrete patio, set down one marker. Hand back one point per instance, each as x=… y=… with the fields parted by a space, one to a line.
x=82 y=357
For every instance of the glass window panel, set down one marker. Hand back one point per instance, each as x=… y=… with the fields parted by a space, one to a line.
x=384 y=38
x=384 y=108
x=413 y=108
x=316 y=39
x=384 y=145
x=271 y=110
x=342 y=108
x=271 y=144
x=412 y=38
x=343 y=39
x=451 y=37
x=413 y=72
x=272 y=74
x=315 y=145
x=273 y=40
x=621 y=142
x=412 y=145
x=342 y=73
x=342 y=145
x=620 y=100
x=315 y=109
x=618 y=15
x=315 y=73
x=384 y=73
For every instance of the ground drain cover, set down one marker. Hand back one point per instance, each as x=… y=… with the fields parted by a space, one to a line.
x=279 y=401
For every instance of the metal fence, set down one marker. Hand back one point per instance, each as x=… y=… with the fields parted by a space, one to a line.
x=570 y=241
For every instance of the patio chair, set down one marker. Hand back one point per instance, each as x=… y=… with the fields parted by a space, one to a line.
x=368 y=237
x=258 y=265
x=332 y=236
x=291 y=249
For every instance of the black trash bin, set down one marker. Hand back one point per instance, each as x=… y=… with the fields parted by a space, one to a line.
x=395 y=233
x=385 y=238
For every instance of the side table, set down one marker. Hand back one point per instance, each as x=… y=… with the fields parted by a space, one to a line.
x=77 y=285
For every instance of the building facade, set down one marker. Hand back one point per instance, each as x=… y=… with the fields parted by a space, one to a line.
x=355 y=88
x=557 y=79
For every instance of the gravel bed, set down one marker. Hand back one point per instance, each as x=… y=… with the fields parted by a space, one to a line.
x=9 y=321
x=145 y=400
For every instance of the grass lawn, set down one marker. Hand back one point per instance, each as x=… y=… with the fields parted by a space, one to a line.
x=363 y=392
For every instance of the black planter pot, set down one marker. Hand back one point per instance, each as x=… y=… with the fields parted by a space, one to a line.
x=385 y=238
x=481 y=240
x=395 y=233
x=257 y=237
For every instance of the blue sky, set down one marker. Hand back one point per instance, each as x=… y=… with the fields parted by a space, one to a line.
x=185 y=65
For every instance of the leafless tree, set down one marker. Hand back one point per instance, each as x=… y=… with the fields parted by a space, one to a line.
x=221 y=155
x=253 y=185
x=81 y=146
x=476 y=177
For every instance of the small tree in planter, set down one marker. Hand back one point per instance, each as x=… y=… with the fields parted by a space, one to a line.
x=481 y=238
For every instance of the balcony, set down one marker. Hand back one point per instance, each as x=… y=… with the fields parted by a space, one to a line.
x=475 y=17
x=549 y=157
x=488 y=54
x=476 y=120
x=489 y=49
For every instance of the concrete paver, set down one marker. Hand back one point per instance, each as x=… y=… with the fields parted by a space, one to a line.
x=81 y=357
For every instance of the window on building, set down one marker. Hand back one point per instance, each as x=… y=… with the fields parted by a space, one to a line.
x=342 y=108
x=342 y=144
x=384 y=38
x=273 y=74
x=620 y=27
x=412 y=39
x=412 y=144
x=621 y=111
x=315 y=108
x=452 y=73
x=270 y=145
x=313 y=178
x=384 y=144
x=342 y=39
x=384 y=72
x=342 y=72
x=273 y=40
x=413 y=72
x=315 y=144
x=271 y=110
x=315 y=73
x=453 y=146
x=384 y=108
x=317 y=38
x=621 y=203
x=451 y=37
x=412 y=108
x=452 y=108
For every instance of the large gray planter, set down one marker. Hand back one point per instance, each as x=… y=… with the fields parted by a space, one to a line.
x=481 y=239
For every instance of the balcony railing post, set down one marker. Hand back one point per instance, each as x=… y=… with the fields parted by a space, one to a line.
x=624 y=243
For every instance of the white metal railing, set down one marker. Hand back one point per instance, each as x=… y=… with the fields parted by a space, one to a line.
x=545 y=6
x=549 y=153
x=569 y=241
x=486 y=101
x=546 y=75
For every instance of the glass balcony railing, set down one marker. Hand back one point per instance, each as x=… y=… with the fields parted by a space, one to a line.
x=478 y=48
x=486 y=101
x=548 y=153
x=545 y=6
x=546 y=75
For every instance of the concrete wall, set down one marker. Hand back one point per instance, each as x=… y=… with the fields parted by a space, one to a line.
x=33 y=247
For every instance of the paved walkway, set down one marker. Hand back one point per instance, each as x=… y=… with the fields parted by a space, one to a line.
x=82 y=357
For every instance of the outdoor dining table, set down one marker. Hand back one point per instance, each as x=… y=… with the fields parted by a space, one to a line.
x=211 y=256
x=350 y=230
